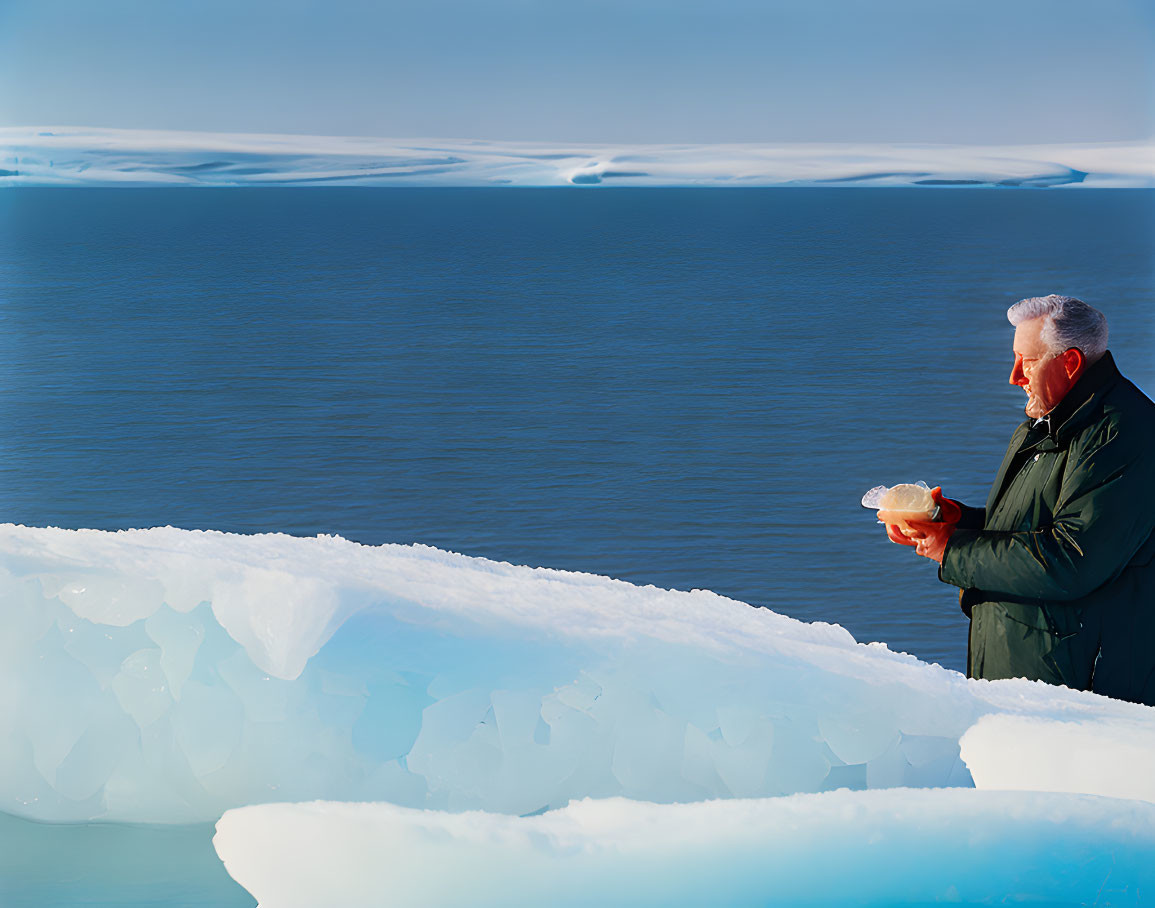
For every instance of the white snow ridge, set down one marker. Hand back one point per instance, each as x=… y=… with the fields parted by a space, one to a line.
x=77 y=156
x=898 y=847
x=170 y=675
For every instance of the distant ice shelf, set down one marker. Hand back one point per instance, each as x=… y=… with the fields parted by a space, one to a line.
x=76 y=156
x=168 y=675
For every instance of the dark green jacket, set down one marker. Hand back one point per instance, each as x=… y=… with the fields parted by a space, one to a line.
x=1057 y=572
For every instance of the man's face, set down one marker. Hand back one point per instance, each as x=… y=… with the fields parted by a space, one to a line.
x=1042 y=375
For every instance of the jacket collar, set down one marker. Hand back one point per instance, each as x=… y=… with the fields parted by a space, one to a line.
x=1069 y=415
x=1053 y=434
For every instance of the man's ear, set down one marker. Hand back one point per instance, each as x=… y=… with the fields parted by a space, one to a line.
x=1073 y=362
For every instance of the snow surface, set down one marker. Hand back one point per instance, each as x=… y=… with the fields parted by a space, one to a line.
x=840 y=848
x=1092 y=756
x=168 y=675
x=72 y=156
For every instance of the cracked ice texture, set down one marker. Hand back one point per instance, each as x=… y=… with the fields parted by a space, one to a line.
x=167 y=675
x=77 y=156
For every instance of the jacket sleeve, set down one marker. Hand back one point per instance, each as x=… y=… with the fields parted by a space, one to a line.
x=1104 y=513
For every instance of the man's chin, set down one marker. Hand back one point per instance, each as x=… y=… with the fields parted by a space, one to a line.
x=1035 y=407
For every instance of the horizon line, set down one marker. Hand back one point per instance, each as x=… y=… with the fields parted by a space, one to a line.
x=115 y=156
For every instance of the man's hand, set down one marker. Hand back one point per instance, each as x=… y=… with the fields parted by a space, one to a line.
x=894 y=532
x=933 y=543
x=929 y=538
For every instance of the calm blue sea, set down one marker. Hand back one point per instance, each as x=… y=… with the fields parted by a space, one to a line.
x=689 y=388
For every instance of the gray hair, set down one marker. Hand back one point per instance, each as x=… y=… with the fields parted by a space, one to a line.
x=1069 y=323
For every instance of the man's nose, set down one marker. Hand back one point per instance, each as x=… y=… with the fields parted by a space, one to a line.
x=1017 y=376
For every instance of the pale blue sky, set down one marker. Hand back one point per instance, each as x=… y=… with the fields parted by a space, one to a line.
x=980 y=71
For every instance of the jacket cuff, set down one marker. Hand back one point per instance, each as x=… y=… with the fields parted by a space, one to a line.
x=953 y=567
x=971 y=518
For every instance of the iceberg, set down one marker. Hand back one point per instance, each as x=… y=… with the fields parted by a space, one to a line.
x=167 y=675
x=84 y=156
x=405 y=725
x=845 y=848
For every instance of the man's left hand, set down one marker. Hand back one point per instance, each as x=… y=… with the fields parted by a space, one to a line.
x=931 y=537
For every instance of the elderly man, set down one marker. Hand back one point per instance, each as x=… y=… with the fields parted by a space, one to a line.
x=1057 y=572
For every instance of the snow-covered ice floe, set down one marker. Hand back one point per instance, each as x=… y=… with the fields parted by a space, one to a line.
x=901 y=847
x=77 y=156
x=167 y=675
